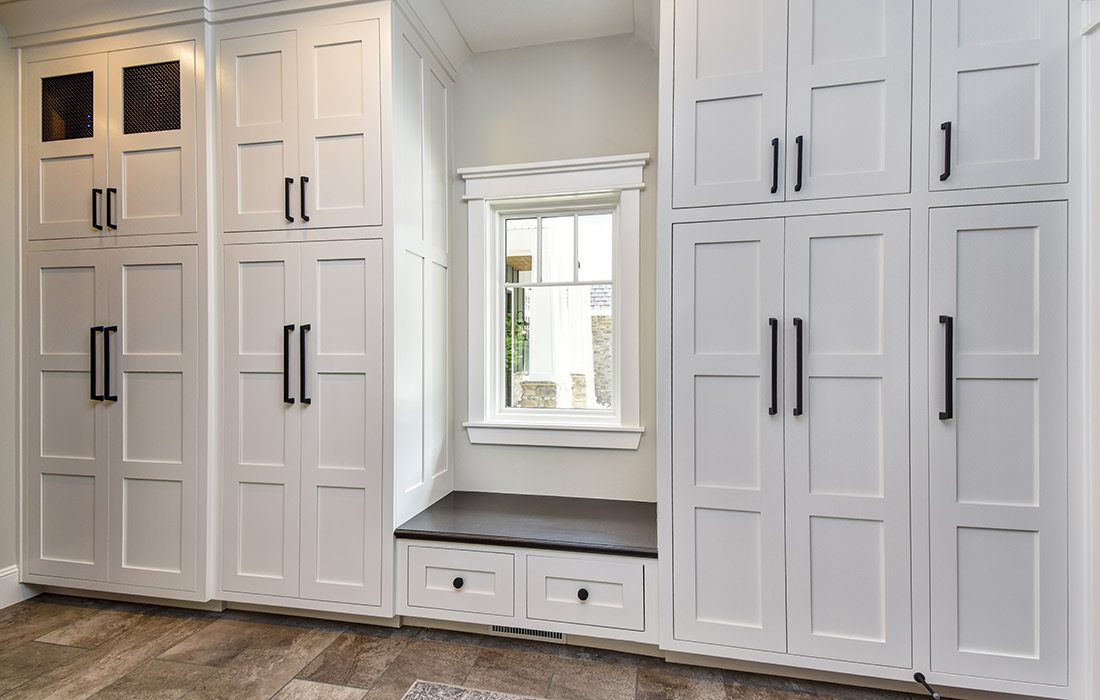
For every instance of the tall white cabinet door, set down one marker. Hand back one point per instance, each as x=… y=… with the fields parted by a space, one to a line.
x=1000 y=81
x=259 y=131
x=340 y=112
x=847 y=438
x=849 y=88
x=65 y=478
x=152 y=140
x=730 y=102
x=154 y=419
x=998 y=462
x=262 y=420
x=728 y=438
x=341 y=405
x=65 y=146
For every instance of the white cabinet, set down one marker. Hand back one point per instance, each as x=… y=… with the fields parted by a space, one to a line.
x=303 y=458
x=802 y=102
x=997 y=322
x=110 y=143
x=807 y=455
x=301 y=134
x=112 y=407
x=1000 y=93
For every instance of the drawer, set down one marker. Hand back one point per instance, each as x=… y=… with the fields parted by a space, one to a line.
x=601 y=593
x=461 y=580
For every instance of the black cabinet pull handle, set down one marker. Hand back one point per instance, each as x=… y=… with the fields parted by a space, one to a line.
x=774 y=408
x=458 y=583
x=582 y=594
x=948 y=411
x=287 y=330
x=946 y=129
x=919 y=678
x=107 y=331
x=287 y=183
x=111 y=222
x=92 y=368
x=97 y=195
x=775 y=165
x=302 y=364
x=798 y=367
x=305 y=181
x=798 y=169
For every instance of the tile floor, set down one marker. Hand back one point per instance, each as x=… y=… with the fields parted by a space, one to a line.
x=74 y=648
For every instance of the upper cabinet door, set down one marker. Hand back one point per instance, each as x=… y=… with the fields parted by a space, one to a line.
x=998 y=441
x=728 y=569
x=340 y=120
x=848 y=98
x=999 y=93
x=340 y=399
x=847 y=438
x=259 y=132
x=65 y=147
x=730 y=102
x=153 y=186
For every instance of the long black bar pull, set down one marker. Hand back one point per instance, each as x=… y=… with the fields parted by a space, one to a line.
x=775 y=165
x=302 y=363
x=92 y=364
x=107 y=331
x=287 y=330
x=112 y=223
x=798 y=169
x=287 y=183
x=948 y=368
x=774 y=408
x=97 y=196
x=919 y=678
x=305 y=216
x=798 y=367
x=946 y=129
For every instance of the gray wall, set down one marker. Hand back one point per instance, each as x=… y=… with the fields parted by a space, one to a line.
x=9 y=268
x=571 y=100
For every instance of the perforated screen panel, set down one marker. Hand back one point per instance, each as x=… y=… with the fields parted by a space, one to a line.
x=151 y=98
x=67 y=106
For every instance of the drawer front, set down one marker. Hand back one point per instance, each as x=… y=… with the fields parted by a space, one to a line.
x=601 y=593
x=487 y=580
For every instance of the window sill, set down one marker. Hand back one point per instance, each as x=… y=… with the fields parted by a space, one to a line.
x=560 y=435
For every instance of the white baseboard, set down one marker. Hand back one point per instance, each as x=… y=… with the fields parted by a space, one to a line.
x=11 y=591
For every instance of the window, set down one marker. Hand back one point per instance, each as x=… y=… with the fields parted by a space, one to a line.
x=554 y=303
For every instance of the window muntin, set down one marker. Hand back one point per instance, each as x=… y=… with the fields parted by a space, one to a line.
x=558 y=316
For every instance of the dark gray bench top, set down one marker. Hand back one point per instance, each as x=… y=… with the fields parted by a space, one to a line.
x=539 y=522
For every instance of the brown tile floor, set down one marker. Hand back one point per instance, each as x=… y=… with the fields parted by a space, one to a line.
x=74 y=648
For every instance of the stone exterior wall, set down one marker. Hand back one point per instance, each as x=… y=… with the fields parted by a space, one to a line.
x=601 y=359
x=538 y=395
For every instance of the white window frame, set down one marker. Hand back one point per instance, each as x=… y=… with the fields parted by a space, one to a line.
x=496 y=193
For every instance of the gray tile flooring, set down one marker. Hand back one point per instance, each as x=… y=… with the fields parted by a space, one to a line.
x=75 y=648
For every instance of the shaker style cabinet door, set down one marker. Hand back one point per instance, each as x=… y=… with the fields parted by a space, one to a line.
x=847 y=438
x=729 y=113
x=727 y=442
x=340 y=401
x=66 y=416
x=259 y=132
x=153 y=184
x=65 y=147
x=262 y=421
x=849 y=91
x=998 y=442
x=999 y=95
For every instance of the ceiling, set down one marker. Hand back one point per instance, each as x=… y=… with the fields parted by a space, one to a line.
x=493 y=25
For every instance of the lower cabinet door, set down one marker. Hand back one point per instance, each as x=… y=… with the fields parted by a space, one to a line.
x=727 y=483
x=997 y=327
x=340 y=402
x=260 y=497
x=847 y=438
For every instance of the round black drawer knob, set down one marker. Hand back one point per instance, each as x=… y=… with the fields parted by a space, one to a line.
x=457 y=583
x=582 y=594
